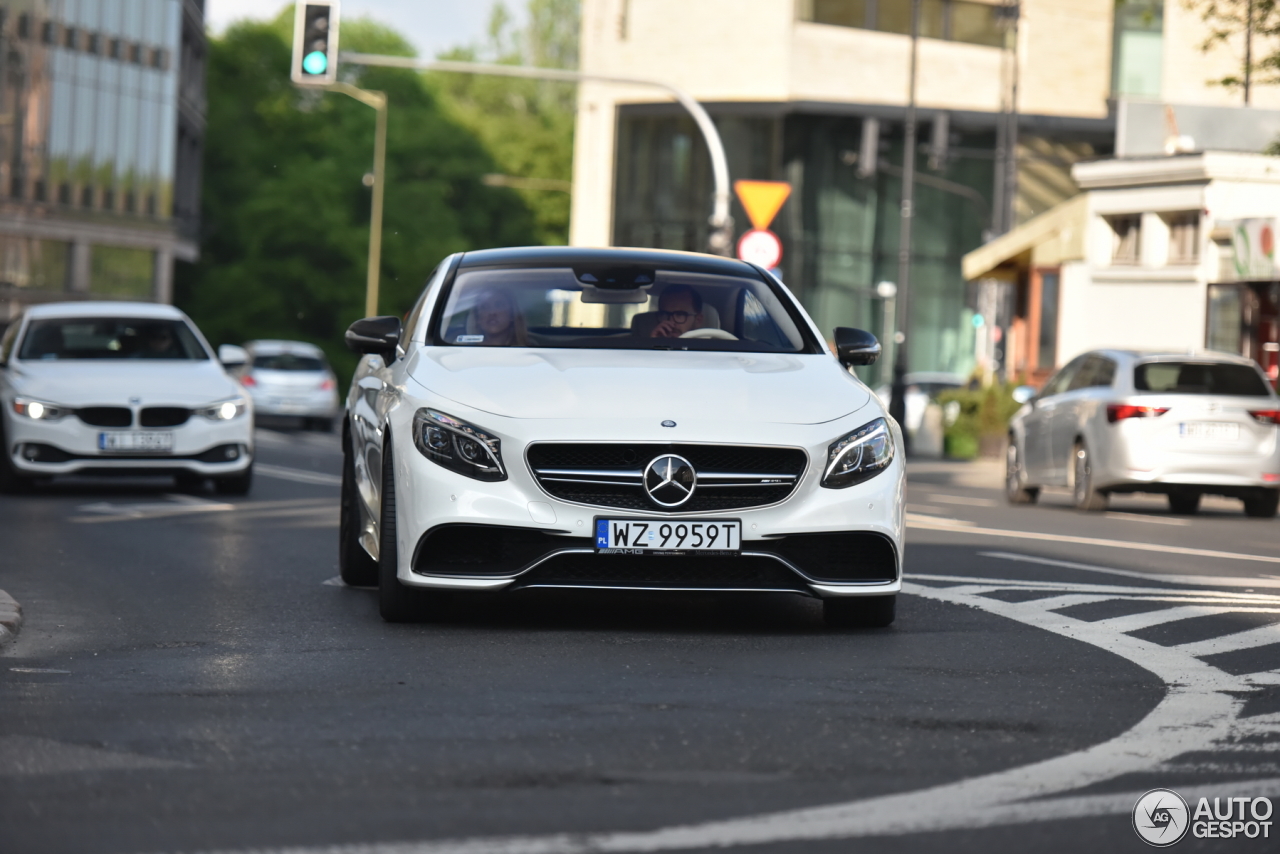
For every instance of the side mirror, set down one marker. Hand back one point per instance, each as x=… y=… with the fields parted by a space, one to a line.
x=377 y=335
x=856 y=347
x=1023 y=393
x=232 y=356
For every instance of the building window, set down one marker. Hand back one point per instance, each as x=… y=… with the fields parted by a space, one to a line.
x=1047 y=349
x=122 y=272
x=49 y=32
x=952 y=20
x=1126 y=238
x=24 y=26
x=1138 y=52
x=1184 y=237
x=115 y=49
x=86 y=197
x=1225 y=314
x=70 y=38
x=38 y=265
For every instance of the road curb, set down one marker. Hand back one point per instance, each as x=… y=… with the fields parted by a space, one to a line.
x=10 y=618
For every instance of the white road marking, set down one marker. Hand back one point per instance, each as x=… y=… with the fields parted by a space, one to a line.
x=922 y=508
x=176 y=505
x=1142 y=517
x=929 y=523
x=967 y=500
x=940 y=523
x=1200 y=713
x=1137 y=622
x=1261 y=636
x=297 y=475
x=1262 y=581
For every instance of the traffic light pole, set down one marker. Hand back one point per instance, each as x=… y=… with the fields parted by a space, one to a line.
x=721 y=238
x=377 y=100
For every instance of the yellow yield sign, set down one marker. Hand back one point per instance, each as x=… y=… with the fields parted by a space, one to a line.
x=762 y=199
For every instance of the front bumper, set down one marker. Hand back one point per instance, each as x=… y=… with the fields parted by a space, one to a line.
x=286 y=403
x=69 y=446
x=548 y=542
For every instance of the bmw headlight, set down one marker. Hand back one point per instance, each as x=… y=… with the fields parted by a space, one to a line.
x=38 y=410
x=859 y=456
x=224 y=410
x=457 y=445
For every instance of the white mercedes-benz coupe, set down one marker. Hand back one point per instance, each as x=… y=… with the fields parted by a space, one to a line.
x=119 y=388
x=626 y=419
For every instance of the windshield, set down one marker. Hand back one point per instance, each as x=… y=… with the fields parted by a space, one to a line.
x=288 y=362
x=678 y=311
x=109 y=338
x=1200 y=378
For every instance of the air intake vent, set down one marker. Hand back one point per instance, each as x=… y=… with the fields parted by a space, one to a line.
x=164 y=416
x=106 y=416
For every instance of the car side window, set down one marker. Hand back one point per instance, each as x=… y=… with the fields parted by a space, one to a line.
x=1090 y=372
x=415 y=314
x=1104 y=373
x=1062 y=381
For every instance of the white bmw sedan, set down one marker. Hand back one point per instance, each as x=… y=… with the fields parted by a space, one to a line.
x=635 y=419
x=118 y=388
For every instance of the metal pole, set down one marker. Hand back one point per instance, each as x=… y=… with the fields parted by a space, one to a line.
x=721 y=237
x=377 y=100
x=898 y=405
x=1248 y=52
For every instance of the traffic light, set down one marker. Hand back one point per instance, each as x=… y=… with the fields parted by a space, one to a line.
x=315 y=42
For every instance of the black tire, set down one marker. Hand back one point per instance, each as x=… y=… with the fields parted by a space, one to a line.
x=1263 y=504
x=11 y=481
x=396 y=602
x=354 y=564
x=324 y=425
x=188 y=482
x=1085 y=496
x=1184 y=503
x=859 y=612
x=238 y=484
x=1014 y=478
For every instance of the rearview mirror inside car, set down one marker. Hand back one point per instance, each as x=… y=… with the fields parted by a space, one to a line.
x=377 y=335
x=856 y=346
x=232 y=356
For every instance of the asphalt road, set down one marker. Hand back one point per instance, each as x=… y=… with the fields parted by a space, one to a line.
x=191 y=677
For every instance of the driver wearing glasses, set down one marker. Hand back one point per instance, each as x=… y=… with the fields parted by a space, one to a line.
x=679 y=310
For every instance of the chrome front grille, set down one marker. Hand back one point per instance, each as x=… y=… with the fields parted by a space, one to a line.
x=612 y=475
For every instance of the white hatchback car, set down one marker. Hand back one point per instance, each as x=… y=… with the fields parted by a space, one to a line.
x=290 y=380
x=118 y=388
x=635 y=419
x=1178 y=424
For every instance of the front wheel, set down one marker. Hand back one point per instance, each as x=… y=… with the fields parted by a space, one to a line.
x=1086 y=497
x=1263 y=504
x=396 y=602
x=354 y=564
x=859 y=612
x=1014 y=490
x=238 y=484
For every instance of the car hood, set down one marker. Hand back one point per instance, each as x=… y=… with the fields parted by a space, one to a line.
x=625 y=384
x=114 y=383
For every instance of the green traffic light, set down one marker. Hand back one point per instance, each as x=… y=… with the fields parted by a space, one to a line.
x=315 y=62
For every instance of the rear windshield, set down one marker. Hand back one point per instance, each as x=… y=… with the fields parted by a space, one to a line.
x=288 y=362
x=1200 y=378
x=57 y=339
x=672 y=311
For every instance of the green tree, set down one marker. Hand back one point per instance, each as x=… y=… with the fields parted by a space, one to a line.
x=285 y=228
x=527 y=125
x=1253 y=20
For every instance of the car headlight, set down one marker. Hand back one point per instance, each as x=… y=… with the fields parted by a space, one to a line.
x=38 y=410
x=224 y=410
x=457 y=445
x=859 y=456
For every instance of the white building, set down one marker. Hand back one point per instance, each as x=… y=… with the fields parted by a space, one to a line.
x=1169 y=252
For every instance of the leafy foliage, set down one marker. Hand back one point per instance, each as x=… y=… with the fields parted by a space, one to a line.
x=527 y=125
x=976 y=414
x=1227 y=19
x=285 y=210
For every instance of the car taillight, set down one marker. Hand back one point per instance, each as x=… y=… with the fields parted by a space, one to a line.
x=326 y=384
x=1120 y=411
x=248 y=380
x=1266 y=416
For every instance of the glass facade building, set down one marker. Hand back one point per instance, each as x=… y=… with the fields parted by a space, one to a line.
x=101 y=125
x=840 y=227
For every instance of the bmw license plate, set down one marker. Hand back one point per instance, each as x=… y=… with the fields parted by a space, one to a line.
x=1210 y=431
x=649 y=536
x=140 y=442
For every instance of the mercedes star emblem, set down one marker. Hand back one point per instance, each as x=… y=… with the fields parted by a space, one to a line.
x=670 y=480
